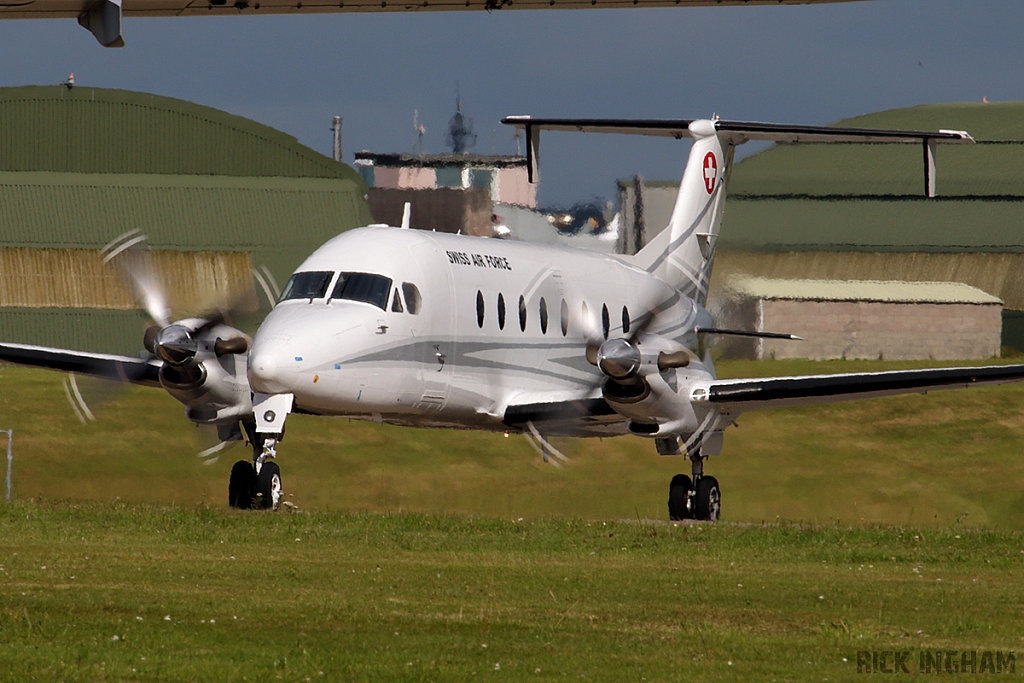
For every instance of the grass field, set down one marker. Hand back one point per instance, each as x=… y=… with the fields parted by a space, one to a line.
x=118 y=592
x=948 y=458
x=423 y=555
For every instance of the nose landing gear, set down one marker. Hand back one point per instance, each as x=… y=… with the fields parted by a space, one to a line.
x=257 y=484
x=698 y=498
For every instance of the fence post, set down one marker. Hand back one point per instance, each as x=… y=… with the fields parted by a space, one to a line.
x=10 y=459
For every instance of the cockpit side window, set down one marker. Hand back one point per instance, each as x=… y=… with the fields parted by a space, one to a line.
x=396 y=303
x=309 y=285
x=367 y=287
x=413 y=300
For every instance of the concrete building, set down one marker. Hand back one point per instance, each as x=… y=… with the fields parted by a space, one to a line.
x=220 y=197
x=862 y=319
x=447 y=192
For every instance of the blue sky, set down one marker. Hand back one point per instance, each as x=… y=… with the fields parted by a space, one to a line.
x=801 y=64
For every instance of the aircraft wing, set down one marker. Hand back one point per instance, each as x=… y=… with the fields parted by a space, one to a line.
x=104 y=18
x=522 y=413
x=735 y=396
x=40 y=9
x=117 y=368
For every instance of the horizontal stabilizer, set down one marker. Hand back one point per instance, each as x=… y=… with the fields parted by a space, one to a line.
x=747 y=333
x=747 y=130
x=733 y=132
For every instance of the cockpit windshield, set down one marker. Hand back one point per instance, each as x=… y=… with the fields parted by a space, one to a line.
x=309 y=285
x=373 y=289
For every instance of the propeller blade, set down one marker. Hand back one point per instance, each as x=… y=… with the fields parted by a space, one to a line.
x=593 y=335
x=214 y=440
x=149 y=339
x=223 y=347
x=235 y=312
x=145 y=283
x=89 y=396
x=78 y=403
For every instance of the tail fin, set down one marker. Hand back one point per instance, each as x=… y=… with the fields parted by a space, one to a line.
x=683 y=254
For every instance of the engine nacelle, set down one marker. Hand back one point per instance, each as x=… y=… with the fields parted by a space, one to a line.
x=211 y=382
x=648 y=380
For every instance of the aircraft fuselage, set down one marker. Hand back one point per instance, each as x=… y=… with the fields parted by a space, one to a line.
x=496 y=323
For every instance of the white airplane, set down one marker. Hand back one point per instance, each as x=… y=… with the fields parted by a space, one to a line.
x=432 y=329
x=104 y=18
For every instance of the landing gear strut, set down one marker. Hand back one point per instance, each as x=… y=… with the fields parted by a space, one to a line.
x=268 y=474
x=697 y=498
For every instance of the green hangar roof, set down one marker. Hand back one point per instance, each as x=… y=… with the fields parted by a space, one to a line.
x=870 y=197
x=80 y=166
x=99 y=130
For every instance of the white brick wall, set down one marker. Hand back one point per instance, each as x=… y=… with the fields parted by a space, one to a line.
x=893 y=331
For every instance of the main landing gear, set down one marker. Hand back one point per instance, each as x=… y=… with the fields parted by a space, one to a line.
x=257 y=484
x=697 y=498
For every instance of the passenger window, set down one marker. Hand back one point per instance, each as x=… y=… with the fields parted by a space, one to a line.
x=311 y=285
x=413 y=301
x=625 y=320
x=522 y=313
x=396 y=303
x=543 y=316
x=501 y=311
x=605 y=322
x=479 y=308
x=565 y=318
x=366 y=287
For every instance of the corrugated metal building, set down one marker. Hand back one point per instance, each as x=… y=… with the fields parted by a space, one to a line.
x=217 y=195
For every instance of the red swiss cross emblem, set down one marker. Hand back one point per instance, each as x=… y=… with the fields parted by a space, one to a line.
x=710 y=172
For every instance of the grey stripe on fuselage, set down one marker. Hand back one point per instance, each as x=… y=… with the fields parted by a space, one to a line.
x=418 y=351
x=424 y=351
x=678 y=242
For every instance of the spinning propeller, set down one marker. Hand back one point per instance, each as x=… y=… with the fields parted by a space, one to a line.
x=204 y=362
x=626 y=358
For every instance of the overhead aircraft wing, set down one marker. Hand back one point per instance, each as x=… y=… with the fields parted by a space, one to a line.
x=117 y=368
x=735 y=396
x=103 y=18
x=39 y=9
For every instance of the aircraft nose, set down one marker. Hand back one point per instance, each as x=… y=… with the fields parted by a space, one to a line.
x=265 y=366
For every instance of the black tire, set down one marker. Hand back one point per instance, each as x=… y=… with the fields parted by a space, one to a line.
x=678 y=492
x=268 y=486
x=241 y=485
x=709 y=499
